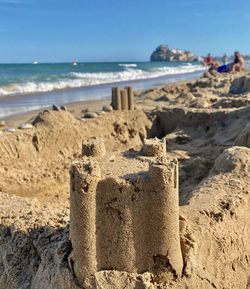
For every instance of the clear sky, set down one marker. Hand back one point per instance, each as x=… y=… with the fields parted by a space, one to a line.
x=115 y=30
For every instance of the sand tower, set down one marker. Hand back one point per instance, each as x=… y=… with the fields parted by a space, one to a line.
x=124 y=212
x=123 y=99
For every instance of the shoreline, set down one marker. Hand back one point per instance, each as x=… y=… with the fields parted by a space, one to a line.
x=93 y=105
x=76 y=107
x=100 y=85
x=25 y=103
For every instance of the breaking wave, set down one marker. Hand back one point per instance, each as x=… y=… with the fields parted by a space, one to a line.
x=128 y=65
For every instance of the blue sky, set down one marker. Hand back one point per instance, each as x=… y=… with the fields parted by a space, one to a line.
x=115 y=30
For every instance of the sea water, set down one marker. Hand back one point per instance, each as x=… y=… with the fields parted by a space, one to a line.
x=25 y=87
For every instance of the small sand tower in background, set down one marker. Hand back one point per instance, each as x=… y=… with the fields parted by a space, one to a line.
x=124 y=213
x=123 y=99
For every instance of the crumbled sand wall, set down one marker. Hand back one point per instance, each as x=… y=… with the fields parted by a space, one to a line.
x=167 y=120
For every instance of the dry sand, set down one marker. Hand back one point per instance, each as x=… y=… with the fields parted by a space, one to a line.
x=204 y=126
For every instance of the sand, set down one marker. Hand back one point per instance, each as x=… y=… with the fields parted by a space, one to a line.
x=200 y=123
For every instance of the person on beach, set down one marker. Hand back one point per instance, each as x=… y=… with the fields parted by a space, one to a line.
x=239 y=63
x=209 y=63
x=208 y=60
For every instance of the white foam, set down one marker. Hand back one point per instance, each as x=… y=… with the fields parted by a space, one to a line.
x=78 y=79
x=128 y=65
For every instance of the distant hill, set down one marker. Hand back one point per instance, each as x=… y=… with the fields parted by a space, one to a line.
x=164 y=53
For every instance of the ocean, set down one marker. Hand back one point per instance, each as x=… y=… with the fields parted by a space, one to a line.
x=26 y=87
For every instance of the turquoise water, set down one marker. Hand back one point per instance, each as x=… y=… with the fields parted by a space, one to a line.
x=26 y=87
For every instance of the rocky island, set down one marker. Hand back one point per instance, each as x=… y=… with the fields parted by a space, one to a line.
x=164 y=53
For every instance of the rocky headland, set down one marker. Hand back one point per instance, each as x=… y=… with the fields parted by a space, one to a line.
x=164 y=53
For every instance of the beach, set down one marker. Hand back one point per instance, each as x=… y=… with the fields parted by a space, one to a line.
x=124 y=144
x=202 y=124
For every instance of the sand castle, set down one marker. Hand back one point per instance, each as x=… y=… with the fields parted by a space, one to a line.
x=125 y=219
x=123 y=99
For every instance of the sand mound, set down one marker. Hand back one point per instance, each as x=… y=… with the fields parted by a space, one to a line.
x=210 y=91
x=235 y=159
x=196 y=99
x=240 y=85
x=40 y=158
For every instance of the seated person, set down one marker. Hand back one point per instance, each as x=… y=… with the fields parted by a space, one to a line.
x=210 y=63
x=239 y=63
